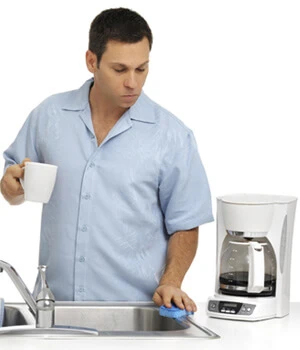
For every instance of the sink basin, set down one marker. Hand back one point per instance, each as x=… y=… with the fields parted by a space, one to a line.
x=118 y=319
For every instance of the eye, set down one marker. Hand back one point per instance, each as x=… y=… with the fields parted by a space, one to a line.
x=124 y=69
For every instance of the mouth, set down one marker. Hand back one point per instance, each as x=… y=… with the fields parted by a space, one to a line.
x=129 y=97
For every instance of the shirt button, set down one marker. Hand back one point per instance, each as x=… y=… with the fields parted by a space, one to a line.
x=92 y=165
x=82 y=259
x=81 y=289
x=83 y=228
x=87 y=196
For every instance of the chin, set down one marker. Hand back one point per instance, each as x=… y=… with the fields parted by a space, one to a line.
x=127 y=104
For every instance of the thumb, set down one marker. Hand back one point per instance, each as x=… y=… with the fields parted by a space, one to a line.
x=157 y=299
x=23 y=162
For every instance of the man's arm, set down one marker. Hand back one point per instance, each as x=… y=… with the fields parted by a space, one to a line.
x=182 y=249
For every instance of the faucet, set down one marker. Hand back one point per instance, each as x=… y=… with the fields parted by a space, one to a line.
x=42 y=307
x=41 y=304
x=44 y=300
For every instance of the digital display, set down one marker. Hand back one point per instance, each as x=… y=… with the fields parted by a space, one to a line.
x=230 y=304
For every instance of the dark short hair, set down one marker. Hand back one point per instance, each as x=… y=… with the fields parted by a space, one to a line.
x=120 y=24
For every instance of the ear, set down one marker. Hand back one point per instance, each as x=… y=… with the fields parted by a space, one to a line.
x=91 y=61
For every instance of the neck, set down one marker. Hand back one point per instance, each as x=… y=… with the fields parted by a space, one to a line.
x=102 y=108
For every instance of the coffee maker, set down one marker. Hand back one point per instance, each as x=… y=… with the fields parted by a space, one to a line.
x=254 y=244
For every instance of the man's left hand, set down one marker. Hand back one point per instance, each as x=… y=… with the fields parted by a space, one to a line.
x=165 y=294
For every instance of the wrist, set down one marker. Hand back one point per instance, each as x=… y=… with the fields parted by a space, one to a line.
x=170 y=282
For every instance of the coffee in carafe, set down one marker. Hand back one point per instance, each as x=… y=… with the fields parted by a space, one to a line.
x=236 y=283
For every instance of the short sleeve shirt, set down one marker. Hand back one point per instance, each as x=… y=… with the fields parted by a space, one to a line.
x=105 y=230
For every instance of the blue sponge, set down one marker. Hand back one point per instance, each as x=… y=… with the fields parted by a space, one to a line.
x=173 y=312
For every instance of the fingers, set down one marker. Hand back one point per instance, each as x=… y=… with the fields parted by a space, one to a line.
x=189 y=304
x=183 y=301
x=165 y=295
x=177 y=300
x=157 y=299
x=161 y=297
x=23 y=162
x=16 y=170
x=10 y=183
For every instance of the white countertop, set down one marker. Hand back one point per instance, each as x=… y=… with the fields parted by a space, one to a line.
x=269 y=334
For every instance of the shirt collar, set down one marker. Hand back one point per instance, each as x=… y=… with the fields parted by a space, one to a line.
x=143 y=110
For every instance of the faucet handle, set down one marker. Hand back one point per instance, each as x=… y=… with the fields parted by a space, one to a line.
x=41 y=289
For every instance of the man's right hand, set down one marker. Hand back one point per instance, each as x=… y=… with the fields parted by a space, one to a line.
x=11 y=187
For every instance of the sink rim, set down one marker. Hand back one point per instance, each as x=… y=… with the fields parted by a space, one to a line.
x=191 y=328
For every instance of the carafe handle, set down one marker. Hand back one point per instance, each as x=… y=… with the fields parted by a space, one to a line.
x=256 y=277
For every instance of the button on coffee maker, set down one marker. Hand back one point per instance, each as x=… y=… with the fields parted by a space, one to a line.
x=254 y=241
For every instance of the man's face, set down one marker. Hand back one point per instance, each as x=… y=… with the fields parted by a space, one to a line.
x=122 y=72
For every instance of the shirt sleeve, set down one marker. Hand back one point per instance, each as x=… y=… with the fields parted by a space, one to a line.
x=184 y=191
x=25 y=144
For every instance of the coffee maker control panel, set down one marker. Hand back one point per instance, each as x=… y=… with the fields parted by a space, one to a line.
x=231 y=307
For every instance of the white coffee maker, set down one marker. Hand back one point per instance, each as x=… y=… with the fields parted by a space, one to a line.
x=254 y=244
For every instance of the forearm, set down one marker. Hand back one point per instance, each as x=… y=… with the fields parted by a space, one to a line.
x=182 y=249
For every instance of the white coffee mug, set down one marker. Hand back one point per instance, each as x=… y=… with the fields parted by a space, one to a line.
x=39 y=180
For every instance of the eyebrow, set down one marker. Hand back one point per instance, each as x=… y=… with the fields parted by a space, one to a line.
x=124 y=65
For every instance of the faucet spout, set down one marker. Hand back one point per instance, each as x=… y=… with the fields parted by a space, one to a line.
x=21 y=286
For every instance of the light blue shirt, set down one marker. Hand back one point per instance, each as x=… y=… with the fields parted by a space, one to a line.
x=105 y=230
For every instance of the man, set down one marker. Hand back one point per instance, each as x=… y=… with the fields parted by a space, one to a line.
x=131 y=191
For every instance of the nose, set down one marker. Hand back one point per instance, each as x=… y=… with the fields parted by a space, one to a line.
x=130 y=81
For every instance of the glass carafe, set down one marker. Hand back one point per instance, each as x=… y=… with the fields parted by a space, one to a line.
x=248 y=267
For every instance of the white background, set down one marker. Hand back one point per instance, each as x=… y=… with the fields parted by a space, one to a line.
x=228 y=69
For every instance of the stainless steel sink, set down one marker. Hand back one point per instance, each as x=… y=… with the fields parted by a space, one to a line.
x=105 y=320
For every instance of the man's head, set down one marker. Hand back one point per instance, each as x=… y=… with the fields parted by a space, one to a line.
x=118 y=24
x=118 y=55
